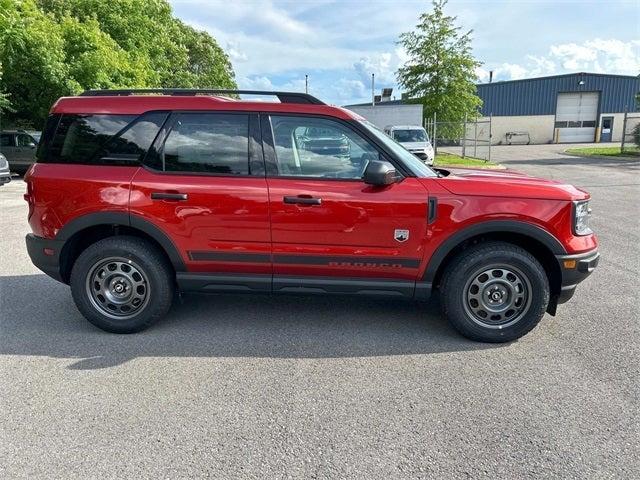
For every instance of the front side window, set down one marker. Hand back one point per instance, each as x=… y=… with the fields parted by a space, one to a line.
x=25 y=140
x=408 y=159
x=214 y=143
x=318 y=147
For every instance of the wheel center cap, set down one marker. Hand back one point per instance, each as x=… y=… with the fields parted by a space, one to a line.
x=496 y=296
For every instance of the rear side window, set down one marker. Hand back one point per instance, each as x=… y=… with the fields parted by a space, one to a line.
x=102 y=139
x=134 y=141
x=214 y=143
x=47 y=136
x=6 y=140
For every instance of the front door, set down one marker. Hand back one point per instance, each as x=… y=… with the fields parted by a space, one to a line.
x=205 y=187
x=326 y=222
x=606 y=129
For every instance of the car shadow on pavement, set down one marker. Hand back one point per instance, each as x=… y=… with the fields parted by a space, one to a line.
x=38 y=318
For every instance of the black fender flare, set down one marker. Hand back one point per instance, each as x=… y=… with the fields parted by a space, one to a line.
x=124 y=218
x=491 y=226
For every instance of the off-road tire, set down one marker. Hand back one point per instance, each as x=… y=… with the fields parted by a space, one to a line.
x=134 y=254
x=461 y=276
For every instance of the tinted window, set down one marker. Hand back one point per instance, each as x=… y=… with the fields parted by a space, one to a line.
x=208 y=143
x=408 y=136
x=131 y=144
x=25 y=140
x=79 y=137
x=6 y=140
x=316 y=147
x=47 y=136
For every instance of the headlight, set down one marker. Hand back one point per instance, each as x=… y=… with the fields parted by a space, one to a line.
x=581 y=214
x=3 y=161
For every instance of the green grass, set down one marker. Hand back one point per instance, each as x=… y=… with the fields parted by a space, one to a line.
x=449 y=160
x=604 y=151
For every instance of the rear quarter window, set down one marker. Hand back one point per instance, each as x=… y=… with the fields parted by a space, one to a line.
x=101 y=139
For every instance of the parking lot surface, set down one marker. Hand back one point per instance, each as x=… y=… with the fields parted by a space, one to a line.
x=314 y=387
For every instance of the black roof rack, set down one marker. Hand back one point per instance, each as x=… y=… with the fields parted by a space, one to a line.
x=284 y=97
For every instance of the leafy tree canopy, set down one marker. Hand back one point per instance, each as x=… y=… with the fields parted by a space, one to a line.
x=52 y=48
x=440 y=72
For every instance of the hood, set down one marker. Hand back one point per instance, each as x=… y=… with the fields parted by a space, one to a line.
x=506 y=183
x=415 y=145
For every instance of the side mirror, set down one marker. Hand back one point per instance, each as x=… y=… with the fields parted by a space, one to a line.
x=380 y=173
x=31 y=145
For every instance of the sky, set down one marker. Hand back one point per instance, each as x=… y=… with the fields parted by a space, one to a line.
x=339 y=44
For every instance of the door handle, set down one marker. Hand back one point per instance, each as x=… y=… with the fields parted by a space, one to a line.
x=303 y=200
x=169 y=196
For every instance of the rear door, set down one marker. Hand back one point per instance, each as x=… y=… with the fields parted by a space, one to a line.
x=327 y=224
x=204 y=185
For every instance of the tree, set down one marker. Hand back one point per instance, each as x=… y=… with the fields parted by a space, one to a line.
x=5 y=103
x=440 y=73
x=53 y=48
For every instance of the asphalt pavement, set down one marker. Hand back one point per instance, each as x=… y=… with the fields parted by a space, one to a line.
x=330 y=388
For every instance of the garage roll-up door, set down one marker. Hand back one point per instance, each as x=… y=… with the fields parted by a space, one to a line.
x=576 y=115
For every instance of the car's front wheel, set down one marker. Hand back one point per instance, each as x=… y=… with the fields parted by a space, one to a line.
x=122 y=284
x=494 y=292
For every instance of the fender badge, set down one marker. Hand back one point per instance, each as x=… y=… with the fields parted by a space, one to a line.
x=401 y=235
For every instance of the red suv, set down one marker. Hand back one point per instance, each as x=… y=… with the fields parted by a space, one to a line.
x=137 y=195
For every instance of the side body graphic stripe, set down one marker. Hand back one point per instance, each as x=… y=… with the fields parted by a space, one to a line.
x=394 y=262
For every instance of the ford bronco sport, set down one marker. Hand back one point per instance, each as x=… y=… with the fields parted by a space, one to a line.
x=139 y=195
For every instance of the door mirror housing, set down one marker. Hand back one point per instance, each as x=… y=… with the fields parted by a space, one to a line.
x=380 y=173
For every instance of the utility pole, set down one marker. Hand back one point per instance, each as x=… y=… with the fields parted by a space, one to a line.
x=306 y=84
x=373 y=89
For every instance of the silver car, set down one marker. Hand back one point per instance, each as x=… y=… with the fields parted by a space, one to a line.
x=5 y=176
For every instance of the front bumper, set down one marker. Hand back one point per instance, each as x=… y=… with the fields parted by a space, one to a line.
x=45 y=254
x=575 y=268
x=5 y=177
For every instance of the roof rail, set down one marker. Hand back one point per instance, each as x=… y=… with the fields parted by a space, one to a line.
x=284 y=97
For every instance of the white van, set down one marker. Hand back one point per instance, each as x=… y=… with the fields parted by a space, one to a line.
x=414 y=138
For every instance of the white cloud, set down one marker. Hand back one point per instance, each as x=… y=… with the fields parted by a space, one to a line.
x=339 y=44
x=234 y=53
x=380 y=65
x=598 y=56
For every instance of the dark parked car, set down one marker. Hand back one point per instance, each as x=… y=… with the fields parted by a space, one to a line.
x=323 y=141
x=19 y=148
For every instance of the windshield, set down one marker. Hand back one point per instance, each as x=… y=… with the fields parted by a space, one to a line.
x=408 y=159
x=408 y=136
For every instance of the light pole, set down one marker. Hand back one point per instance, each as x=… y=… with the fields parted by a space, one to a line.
x=373 y=89
x=306 y=84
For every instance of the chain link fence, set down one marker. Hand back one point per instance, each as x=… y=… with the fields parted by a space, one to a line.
x=468 y=138
x=630 y=144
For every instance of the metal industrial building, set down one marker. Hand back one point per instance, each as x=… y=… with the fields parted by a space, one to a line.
x=577 y=107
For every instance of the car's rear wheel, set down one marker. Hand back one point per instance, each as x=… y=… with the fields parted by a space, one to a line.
x=494 y=292
x=122 y=284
